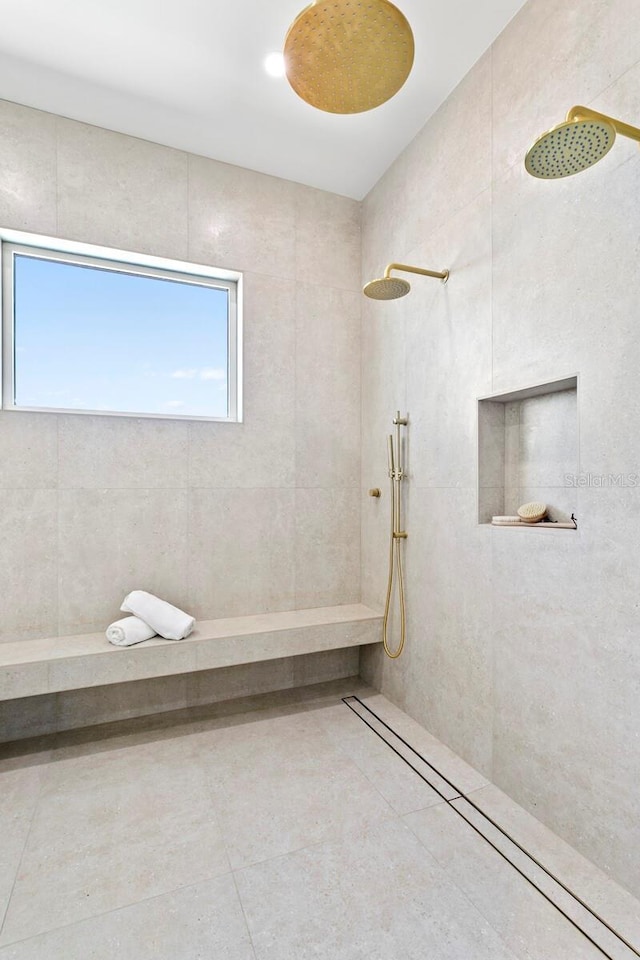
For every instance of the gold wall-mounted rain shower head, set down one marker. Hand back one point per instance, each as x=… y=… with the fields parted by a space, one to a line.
x=348 y=56
x=392 y=288
x=576 y=144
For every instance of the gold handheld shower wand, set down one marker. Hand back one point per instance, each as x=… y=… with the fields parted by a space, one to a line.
x=397 y=535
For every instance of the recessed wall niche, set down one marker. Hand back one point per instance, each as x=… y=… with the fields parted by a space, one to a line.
x=528 y=450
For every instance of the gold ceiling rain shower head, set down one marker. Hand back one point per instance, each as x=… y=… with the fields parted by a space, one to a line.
x=392 y=288
x=348 y=56
x=576 y=144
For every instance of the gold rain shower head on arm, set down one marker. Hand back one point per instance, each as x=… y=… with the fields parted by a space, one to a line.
x=391 y=288
x=348 y=56
x=585 y=137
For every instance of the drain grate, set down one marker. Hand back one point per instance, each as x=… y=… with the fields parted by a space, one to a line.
x=573 y=908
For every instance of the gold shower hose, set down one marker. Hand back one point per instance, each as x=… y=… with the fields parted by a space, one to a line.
x=396 y=536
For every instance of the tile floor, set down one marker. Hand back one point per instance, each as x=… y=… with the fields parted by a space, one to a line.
x=273 y=829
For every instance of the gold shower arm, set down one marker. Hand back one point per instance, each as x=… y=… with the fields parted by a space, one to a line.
x=585 y=113
x=404 y=268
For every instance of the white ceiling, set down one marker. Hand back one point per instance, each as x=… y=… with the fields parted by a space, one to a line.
x=189 y=74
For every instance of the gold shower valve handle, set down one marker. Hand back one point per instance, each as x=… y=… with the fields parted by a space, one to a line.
x=375 y=492
x=400 y=535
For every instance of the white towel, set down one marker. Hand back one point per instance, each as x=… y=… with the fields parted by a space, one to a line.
x=167 y=620
x=129 y=630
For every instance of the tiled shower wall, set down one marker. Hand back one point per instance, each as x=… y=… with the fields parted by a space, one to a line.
x=523 y=649
x=222 y=519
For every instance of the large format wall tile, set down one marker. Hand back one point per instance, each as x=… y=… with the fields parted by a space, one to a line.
x=260 y=451
x=327 y=239
x=25 y=717
x=118 y=701
x=386 y=220
x=28 y=564
x=449 y=349
x=449 y=162
x=240 y=219
x=244 y=680
x=327 y=547
x=588 y=668
x=28 y=164
x=444 y=676
x=115 y=541
x=384 y=384
x=121 y=192
x=374 y=546
x=105 y=452
x=241 y=552
x=327 y=387
x=29 y=445
x=564 y=256
x=548 y=440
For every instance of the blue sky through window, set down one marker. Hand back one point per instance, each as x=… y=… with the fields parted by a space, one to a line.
x=88 y=338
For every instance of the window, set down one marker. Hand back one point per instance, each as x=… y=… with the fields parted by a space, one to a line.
x=85 y=332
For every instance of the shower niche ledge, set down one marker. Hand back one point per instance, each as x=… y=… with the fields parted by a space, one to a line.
x=528 y=451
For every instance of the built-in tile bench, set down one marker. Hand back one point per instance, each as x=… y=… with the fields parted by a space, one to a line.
x=32 y=667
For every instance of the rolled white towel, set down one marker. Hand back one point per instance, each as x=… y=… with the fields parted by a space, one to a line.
x=167 y=620
x=129 y=630
x=506 y=521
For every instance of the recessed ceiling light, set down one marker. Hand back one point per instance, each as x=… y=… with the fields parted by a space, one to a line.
x=274 y=64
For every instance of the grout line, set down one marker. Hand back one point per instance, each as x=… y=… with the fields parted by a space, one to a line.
x=503 y=935
x=322 y=700
x=105 y=913
x=497 y=826
x=616 y=80
x=491 y=272
x=244 y=914
x=133 y=903
x=189 y=491
x=5 y=913
x=56 y=128
x=58 y=491
x=333 y=838
x=188 y=206
x=296 y=424
x=352 y=760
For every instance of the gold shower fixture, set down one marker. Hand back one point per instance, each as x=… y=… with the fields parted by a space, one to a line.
x=391 y=288
x=585 y=137
x=397 y=474
x=348 y=56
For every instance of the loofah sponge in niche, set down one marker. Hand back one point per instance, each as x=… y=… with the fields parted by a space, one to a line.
x=532 y=512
